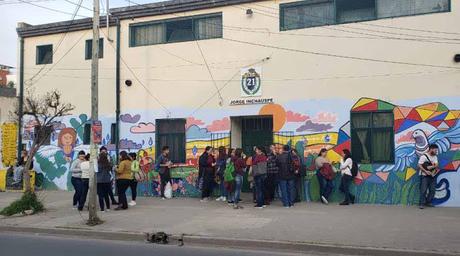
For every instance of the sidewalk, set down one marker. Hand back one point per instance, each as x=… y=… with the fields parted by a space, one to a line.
x=395 y=227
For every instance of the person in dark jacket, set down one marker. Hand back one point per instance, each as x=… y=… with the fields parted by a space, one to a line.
x=271 y=183
x=207 y=170
x=221 y=164
x=240 y=166
x=112 y=174
x=300 y=173
x=164 y=169
x=104 y=179
x=286 y=176
x=259 y=171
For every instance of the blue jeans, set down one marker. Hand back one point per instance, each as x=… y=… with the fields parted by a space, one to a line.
x=325 y=186
x=427 y=189
x=238 y=185
x=77 y=187
x=287 y=192
x=260 y=189
x=223 y=191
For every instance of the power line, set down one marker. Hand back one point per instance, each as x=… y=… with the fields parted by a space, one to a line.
x=79 y=5
x=51 y=9
x=339 y=56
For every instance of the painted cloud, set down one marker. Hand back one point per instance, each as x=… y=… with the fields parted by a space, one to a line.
x=143 y=128
x=325 y=117
x=192 y=121
x=195 y=132
x=128 y=118
x=296 y=117
x=310 y=126
x=219 y=125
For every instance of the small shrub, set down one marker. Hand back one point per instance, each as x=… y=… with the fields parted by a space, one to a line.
x=28 y=201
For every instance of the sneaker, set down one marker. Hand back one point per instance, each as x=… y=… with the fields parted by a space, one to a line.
x=204 y=200
x=132 y=203
x=163 y=198
x=107 y=210
x=429 y=205
x=75 y=207
x=264 y=206
x=344 y=203
x=421 y=207
x=230 y=203
x=219 y=199
x=287 y=207
x=324 y=200
x=258 y=207
x=224 y=199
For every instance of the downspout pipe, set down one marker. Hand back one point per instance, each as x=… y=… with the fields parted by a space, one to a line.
x=21 y=95
x=117 y=93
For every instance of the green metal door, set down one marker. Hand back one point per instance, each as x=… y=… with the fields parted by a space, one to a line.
x=256 y=131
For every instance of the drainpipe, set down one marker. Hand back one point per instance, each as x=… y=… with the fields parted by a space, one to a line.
x=117 y=93
x=21 y=95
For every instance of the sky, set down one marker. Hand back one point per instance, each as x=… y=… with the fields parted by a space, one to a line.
x=14 y=11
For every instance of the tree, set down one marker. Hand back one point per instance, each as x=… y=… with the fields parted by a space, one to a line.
x=45 y=110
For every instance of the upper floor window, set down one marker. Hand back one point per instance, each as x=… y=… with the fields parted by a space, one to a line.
x=311 y=13
x=372 y=137
x=176 y=30
x=44 y=54
x=89 y=49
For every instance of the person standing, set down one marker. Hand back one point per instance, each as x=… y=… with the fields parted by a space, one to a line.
x=221 y=164
x=112 y=175
x=123 y=180
x=429 y=168
x=259 y=171
x=133 y=184
x=229 y=175
x=346 y=166
x=286 y=177
x=75 y=169
x=84 y=166
x=240 y=166
x=103 y=178
x=325 y=174
x=300 y=172
x=271 y=182
x=207 y=164
x=164 y=169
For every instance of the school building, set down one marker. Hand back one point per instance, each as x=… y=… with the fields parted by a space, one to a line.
x=380 y=77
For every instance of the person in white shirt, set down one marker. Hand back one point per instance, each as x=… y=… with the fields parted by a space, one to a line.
x=84 y=166
x=346 y=164
x=429 y=167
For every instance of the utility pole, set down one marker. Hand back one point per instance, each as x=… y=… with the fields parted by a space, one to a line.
x=93 y=218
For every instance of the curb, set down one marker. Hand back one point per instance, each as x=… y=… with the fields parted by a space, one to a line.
x=203 y=241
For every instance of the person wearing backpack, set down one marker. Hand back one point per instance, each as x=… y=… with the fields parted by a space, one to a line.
x=135 y=168
x=429 y=168
x=259 y=171
x=300 y=171
x=325 y=175
x=103 y=179
x=163 y=166
x=286 y=177
x=240 y=166
x=271 y=182
x=348 y=169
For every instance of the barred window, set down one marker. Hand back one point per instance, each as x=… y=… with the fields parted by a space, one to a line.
x=171 y=133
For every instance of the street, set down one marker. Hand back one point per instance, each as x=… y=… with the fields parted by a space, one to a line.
x=20 y=245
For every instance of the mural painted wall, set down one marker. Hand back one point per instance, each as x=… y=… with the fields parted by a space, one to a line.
x=307 y=125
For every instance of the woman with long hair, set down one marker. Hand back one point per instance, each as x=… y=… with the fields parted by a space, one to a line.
x=240 y=167
x=346 y=164
x=221 y=164
x=325 y=175
x=259 y=171
x=123 y=180
x=103 y=177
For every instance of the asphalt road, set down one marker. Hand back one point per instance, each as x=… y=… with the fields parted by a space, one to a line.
x=39 y=245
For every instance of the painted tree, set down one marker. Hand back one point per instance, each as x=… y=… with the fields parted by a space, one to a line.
x=44 y=110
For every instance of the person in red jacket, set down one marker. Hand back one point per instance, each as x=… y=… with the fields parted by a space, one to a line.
x=240 y=166
x=259 y=171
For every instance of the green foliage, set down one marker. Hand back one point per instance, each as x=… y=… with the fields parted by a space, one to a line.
x=79 y=126
x=28 y=201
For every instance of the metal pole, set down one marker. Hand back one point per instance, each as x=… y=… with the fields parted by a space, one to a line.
x=93 y=218
x=21 y=95
x=117 y=93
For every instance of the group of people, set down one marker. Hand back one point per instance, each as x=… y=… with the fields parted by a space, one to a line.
x=124 y=174
x=269 y=172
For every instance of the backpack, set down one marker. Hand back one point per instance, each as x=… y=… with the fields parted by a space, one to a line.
x=327 y=172
x=229 y=171
x=135 y=167
x=354 y=169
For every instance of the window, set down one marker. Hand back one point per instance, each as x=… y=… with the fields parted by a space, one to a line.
x=372 y=137
x=312 y=13
x=176 y=30
x=350 y=11
x=113 y=133
x=44 y=54
x=87 y=134
x=89 y=49
x=171 y=132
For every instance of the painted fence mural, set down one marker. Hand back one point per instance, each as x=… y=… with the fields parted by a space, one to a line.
x=414 y=127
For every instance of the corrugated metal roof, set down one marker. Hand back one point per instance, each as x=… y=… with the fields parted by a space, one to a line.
x=145 y=10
